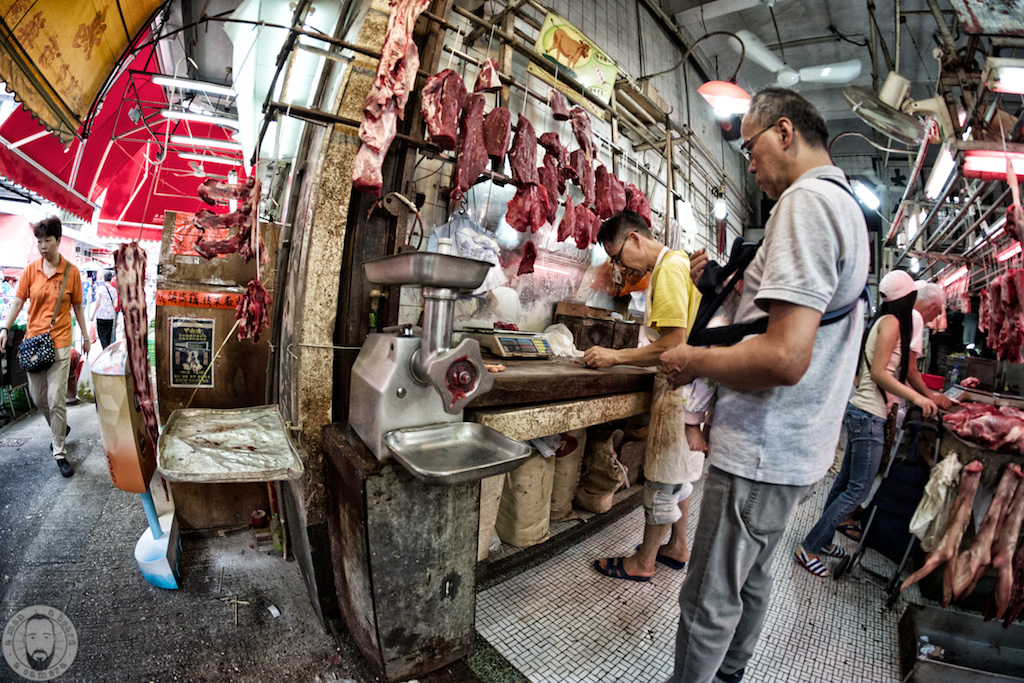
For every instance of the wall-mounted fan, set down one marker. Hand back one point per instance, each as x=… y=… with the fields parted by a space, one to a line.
x=892 y=112
x=758 y=52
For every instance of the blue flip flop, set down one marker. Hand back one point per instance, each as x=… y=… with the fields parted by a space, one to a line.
x=670 y=562
x=615 y=570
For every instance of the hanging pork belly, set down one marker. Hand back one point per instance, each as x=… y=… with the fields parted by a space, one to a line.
x=443 y=97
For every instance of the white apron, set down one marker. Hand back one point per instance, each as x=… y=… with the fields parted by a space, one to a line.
x=668 y=458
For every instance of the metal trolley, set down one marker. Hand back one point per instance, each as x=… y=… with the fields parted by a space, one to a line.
x=895 y=501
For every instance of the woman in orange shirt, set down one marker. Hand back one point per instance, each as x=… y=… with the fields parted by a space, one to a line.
x=39 y=285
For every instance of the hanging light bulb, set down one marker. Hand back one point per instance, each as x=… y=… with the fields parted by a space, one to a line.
x=721 y=209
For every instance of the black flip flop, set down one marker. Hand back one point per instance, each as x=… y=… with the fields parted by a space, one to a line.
x=615 y=570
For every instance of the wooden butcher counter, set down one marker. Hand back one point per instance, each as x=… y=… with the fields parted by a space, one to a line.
x=536 y=398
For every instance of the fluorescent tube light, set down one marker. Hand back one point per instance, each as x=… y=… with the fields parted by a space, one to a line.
x=959 y=273
x=1004 y=74
x=200 y=118
x=944 y=166
x=200 y=86
x=1009 y=252
x=211 y=158
x=992 y=165
x=866 y=196
x=205 y=142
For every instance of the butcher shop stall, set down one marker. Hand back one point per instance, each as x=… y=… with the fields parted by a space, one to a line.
x=369 y=332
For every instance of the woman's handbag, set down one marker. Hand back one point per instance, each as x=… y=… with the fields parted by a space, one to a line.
x=37 y=354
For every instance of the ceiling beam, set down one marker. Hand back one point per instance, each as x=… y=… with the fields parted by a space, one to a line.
x=708 y=10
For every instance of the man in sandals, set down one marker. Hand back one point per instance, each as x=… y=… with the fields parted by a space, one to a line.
x=781 y=394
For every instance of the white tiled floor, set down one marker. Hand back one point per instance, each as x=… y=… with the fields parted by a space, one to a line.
x=562 y=622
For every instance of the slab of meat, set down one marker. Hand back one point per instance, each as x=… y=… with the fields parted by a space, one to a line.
x=385 y=103
x=497 y=132
x=995 y=428
x=636 y=201
x=213 y=191
x=527 y=259
x=1001 y=315
x=567 y=228
x=549 y=179
x=1016 y=602
x=947 y=548
x=583 y=131
x=970 y=382
x=523 y=155
x=443 y=96
x=971 y=563
x=611 y=193
x=471 y=159
x=209 y=249
x=253 y=311
x=1002 y=556
x=1014 y=221
x=528 y=209
x=587 y=226
x=553 y=146
x=488 y=80
x=584 y=172
x=559 y=108
x=130 y=265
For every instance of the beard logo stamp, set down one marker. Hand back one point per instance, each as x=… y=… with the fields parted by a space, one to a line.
x=40 y=643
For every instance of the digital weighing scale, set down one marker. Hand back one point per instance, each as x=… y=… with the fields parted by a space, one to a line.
x=509 y=344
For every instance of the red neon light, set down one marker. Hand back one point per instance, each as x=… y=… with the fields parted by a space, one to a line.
x=992 y=165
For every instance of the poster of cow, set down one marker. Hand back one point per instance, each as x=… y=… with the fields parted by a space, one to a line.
x=577 y=57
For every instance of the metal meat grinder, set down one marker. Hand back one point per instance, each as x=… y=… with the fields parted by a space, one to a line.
x=408 y=392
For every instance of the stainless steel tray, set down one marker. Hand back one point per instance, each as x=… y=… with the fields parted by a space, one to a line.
x=455 y=452
x=427 y=269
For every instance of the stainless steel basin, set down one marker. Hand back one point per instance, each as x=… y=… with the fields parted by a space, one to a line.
x=455 y=452
x=427 y=269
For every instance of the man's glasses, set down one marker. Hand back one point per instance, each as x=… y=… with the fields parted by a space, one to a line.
x=747 y=148
x=616 y=259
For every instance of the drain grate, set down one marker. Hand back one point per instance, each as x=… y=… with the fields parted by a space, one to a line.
x=12 y=443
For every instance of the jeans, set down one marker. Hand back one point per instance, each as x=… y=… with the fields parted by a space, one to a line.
x=865 y=436
x=724 y=598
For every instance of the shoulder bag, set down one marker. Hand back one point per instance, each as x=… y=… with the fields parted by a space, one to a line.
x=37 y=354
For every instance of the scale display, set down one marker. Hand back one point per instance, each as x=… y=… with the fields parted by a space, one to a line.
x=513 y=344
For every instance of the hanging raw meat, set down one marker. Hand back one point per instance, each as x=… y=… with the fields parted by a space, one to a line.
x=587 y=227
x=487 y=80
x=584 y=172
x=130 y=264
x=567 y=227
x=559 y=108
x=523 y=155
x=636 y=201
x=527 y=259
x=443 y=97
x=471 y=159
x=611 y=193
x=1002 y=557
x=497 y=132
x=395 y=79
x=528 y=209
x=972 y=563
x=584 y=133
x=247 y=241
x=213 y=191
x=947 y=548
x=253 y=311
x=553 y=146
x=549 y=179
x=1014 y=221
x=1002 y=315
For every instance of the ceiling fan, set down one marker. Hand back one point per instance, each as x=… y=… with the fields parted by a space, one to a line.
x=199 y=171
x=758 y=52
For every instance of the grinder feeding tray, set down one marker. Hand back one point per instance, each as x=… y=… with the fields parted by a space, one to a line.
x=401 y=381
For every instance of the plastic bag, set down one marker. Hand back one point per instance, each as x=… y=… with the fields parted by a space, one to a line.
x=85 y=388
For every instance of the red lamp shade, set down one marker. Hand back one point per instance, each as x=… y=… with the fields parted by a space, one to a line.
x=992 y=165
x=726 y=98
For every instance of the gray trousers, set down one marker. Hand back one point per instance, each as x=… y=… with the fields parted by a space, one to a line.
x=724 y=598
x=49 y=392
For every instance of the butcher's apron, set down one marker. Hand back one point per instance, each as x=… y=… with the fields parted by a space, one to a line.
x=668 y=459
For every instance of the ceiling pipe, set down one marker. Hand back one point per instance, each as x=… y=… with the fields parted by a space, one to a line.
x=951 y=183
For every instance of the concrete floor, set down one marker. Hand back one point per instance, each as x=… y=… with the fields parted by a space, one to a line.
x=69 y=544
